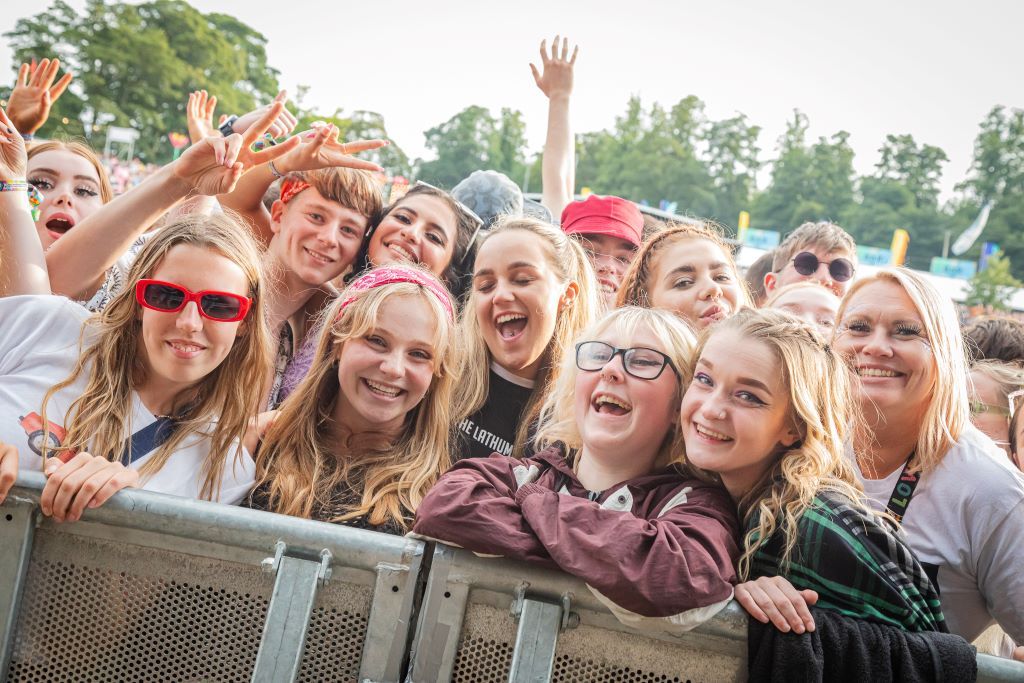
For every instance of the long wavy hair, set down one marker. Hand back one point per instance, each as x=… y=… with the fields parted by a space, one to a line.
x=675 y=339
x=636 y=283
x=303 y=460
x=570 y=264
x=822 y=407
x=948 y=412
x=218 y=407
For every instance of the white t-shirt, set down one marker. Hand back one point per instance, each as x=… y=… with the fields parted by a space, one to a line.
x=966 y=517
x=39 y=345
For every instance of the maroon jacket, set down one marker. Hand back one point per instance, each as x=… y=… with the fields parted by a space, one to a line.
x=657 y=546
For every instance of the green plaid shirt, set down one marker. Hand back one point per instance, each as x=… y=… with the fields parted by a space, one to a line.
x=857 y=566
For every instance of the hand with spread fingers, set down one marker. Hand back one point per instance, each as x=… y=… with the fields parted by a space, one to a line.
x=557 y=75
x=34 y=94
x=283 y=124
x=773 y=598
x=84 y=481
x=199 y=112
x=13 y=157
x=213 y=165
x=320 y=148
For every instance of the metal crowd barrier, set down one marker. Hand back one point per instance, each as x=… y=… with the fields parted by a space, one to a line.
x=154 y=587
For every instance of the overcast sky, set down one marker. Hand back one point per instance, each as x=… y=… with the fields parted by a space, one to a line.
x=929 y=68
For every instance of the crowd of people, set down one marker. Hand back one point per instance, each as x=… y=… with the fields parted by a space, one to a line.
x=568 y=382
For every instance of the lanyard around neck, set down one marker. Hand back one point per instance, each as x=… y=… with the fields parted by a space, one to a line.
x=899 y=501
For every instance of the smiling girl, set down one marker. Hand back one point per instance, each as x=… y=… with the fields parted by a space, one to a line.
x=769 y=411
x=368 y=430
x=146 y=391
x=689 y=270
x=533 y=290
x=605 y=498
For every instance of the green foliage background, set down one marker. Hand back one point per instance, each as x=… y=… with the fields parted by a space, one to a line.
x=135 y=64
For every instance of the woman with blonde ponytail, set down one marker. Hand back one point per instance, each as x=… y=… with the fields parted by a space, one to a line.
x=151 y=391
x=368 y=430
x=769 y=411
x=533 y=290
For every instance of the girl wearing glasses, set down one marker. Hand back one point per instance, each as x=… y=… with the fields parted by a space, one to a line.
x=992 y=384
x=146 y=392
x=605 y=498
x=368 y=430
x=533 y=290
x=689 y=270
x=961 y=502
x=768 y=411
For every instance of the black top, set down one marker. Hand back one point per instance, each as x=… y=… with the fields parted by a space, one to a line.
x=492 y=429
x=344 y=499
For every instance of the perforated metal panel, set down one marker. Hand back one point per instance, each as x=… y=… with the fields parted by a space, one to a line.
x=99 y=611
x=587 y=654
x=337 y=629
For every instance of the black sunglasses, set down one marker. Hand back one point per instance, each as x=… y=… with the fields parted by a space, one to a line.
x=640 y=362
x=806 y=263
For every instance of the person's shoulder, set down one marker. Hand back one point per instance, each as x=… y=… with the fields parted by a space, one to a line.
x=41 y=314
x=975 y=458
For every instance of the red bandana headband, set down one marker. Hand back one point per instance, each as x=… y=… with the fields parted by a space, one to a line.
x=387 y=275
x=292 y=187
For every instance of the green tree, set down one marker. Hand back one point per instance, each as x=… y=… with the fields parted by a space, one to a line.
x=917 y=167
x=135 y=64
x=733 y=163
x=472 y=140
x=993 y=286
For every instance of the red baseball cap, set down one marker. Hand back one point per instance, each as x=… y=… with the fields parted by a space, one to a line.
x=613 y=216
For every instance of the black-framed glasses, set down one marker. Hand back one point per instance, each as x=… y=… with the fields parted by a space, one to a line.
x=638 y=361
x=806 y=263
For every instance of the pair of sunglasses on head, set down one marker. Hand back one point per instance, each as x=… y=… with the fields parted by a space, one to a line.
x=168 y=297
x=807 y=263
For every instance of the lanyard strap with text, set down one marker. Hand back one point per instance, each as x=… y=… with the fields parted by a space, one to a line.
x=904 y=491
x=148 y=439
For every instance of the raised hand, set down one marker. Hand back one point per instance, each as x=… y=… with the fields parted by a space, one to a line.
x=34 y=93
x=283 y=124
x=213 y=165
x=199 y=113
x=556 y=78
x=13 y=157
x=320 y=148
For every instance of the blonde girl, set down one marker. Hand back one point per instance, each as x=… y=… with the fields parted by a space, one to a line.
x=148 y=390
x=533 y=290
x=769 y=411
x=605 y=498
x=687 y=269
x=368 y=431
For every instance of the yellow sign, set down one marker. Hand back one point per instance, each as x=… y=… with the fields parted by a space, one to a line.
x=900 y=240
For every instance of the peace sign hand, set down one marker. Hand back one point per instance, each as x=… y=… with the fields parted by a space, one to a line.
x=34 y=93
x=213 y=165
x=320 y=148
x=556 y=80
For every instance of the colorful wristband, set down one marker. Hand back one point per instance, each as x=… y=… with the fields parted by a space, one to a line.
x=35 y=197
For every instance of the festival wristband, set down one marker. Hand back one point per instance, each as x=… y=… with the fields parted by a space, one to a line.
x=35 y=198
x=226 y=128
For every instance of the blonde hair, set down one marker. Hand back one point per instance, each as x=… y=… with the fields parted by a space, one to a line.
x=948 y=411
x=636 y=283
x=303 y=463
x=793 y=286
x=1008 y=376
x=676 y=340
x=822 y=409
x=217 y=407
x=570 y=264
x=82 y=149
x=828 y=237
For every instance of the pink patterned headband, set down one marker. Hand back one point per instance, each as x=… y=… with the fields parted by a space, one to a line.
x=387 y=275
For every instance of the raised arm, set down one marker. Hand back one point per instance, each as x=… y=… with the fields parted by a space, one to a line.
x=559 y=164
x=34 y=93
x=319 y=148
x=22 y=265
x=78 y=261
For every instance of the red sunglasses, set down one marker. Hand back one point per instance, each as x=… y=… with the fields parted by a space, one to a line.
x=168 y=297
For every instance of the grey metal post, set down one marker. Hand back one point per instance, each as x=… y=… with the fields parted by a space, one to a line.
x=533 y=658
x=17 y=527
x=291 y=604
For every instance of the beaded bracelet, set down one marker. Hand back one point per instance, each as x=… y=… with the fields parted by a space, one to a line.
x=35 y=197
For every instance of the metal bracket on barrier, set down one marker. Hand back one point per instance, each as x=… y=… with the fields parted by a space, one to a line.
x=569 y=619
x=284 y=633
